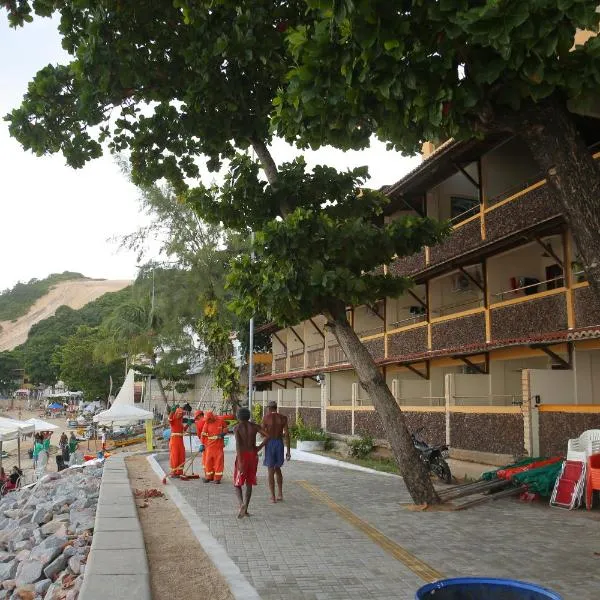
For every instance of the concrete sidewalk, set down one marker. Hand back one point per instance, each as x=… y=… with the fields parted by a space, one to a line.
x=344 y=534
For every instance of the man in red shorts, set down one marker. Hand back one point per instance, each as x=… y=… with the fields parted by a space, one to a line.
x=246 y=461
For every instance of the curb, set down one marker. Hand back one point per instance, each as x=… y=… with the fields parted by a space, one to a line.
x=117 y=559
x=240 y=587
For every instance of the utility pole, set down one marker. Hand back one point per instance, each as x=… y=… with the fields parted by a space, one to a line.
x=251 y=342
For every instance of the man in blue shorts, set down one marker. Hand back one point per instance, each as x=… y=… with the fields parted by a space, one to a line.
x=275 y=426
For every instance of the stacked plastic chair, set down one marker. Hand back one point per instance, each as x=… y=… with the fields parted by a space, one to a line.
x=571 y=483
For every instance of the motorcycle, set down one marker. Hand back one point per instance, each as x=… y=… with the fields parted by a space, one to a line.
x=433 y=456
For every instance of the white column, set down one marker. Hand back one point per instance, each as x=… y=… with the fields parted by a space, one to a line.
x=354 y=399
x=298 y=401
x=450 y=400
x=324 y=402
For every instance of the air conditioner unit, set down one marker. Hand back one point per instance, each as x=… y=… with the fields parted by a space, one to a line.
x=461 y=283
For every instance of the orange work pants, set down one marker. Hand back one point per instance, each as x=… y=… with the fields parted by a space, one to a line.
x=177 y=454
x=214 y=461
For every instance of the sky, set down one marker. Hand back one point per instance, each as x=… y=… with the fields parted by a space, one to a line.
x=54 y=218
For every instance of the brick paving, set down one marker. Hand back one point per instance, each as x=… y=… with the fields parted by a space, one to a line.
x=302 y=549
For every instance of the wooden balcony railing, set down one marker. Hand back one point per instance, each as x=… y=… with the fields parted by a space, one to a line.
x=279 y=363
x=297 y=360
x=315 y=358
x=336 y=355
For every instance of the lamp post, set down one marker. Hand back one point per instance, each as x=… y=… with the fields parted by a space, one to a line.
x=251 y=341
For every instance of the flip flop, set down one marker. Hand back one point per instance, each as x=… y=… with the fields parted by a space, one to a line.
x=273 y=500
x=241 y=513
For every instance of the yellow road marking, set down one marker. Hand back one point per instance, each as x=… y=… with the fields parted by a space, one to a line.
x=417 y=566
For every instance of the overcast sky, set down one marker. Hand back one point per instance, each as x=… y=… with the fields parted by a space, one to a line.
x=54 y=218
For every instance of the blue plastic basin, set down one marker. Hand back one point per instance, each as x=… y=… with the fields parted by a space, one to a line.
x=477 y=588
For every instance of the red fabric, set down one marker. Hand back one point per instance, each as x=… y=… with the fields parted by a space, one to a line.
x=176 y=447
x=508 y=473
x=249 y=460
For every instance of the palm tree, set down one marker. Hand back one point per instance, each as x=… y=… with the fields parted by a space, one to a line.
x=134 y=329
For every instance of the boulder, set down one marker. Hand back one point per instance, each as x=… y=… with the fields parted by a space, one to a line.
x=49 y=549
x=22 y=545
x=8 y=570
x=41 y=515
x=29 y=571
x=5 y=557
x=9 y=584
x=24 y=592
x=69 y=551
x=56 y=566
x=51 y=527
x=75 y=564
x=23 y=555
x=41 y=587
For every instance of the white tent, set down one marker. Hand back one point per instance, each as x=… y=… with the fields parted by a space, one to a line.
x=125 y=397
x=11 y=429
x=40 y=425
x=122 y=414
x=15 y=426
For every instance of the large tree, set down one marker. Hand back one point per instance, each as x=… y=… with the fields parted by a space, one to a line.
x=420 y=70
x=9 y=363
x=169 y=82
x=80 y=367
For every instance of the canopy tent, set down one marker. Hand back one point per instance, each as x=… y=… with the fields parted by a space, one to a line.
x=125 y=397
x=11 y=429
x=55 y=406
x=40 y=425
x=122 y=414
x=122 y=410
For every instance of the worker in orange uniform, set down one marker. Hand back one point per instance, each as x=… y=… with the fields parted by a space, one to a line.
x=199 y=421
x=176 y=447
x=213 y=434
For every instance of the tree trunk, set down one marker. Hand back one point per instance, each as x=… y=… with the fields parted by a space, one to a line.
x=414 y=472
x=571 y=174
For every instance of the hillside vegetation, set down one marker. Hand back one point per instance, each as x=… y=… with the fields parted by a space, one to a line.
x=16 y=302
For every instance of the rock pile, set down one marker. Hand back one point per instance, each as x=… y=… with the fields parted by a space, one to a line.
x=45 y=536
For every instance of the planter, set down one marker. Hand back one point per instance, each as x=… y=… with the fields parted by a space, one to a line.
x=307 y=446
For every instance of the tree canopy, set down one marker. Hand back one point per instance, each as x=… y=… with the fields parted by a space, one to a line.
x=418 y=70
x=81 y=369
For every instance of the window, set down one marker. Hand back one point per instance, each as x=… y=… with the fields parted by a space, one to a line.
x=462 y=207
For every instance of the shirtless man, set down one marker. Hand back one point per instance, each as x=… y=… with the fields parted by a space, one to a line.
x=276 y=427
x=246 y=462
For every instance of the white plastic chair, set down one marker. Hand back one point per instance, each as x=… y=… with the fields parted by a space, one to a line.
x=585 y=445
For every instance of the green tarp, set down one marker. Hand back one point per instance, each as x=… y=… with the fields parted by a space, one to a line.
x=539 y=481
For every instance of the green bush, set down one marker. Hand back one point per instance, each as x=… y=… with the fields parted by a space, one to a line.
x=299 y=431
x=257 y=412
x=362 y=447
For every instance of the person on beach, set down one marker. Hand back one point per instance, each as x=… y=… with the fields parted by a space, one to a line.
x=246 y=461
x=41 y=451
x=275 y=425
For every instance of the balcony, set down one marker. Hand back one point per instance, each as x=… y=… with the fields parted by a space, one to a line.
x=376 y=347
x=521 y=211
x=297 y=360
x=587 y=307
x=464 y=237
x=409 y=341
x=521 y=318
x=408 y=265
x=315 y=357
x=279 y=361
x=457 y=333
x=335 y=355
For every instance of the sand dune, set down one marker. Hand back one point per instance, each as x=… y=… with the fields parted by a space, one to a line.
x=75 y=294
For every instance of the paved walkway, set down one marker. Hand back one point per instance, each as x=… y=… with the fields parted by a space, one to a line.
x=325 y=542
